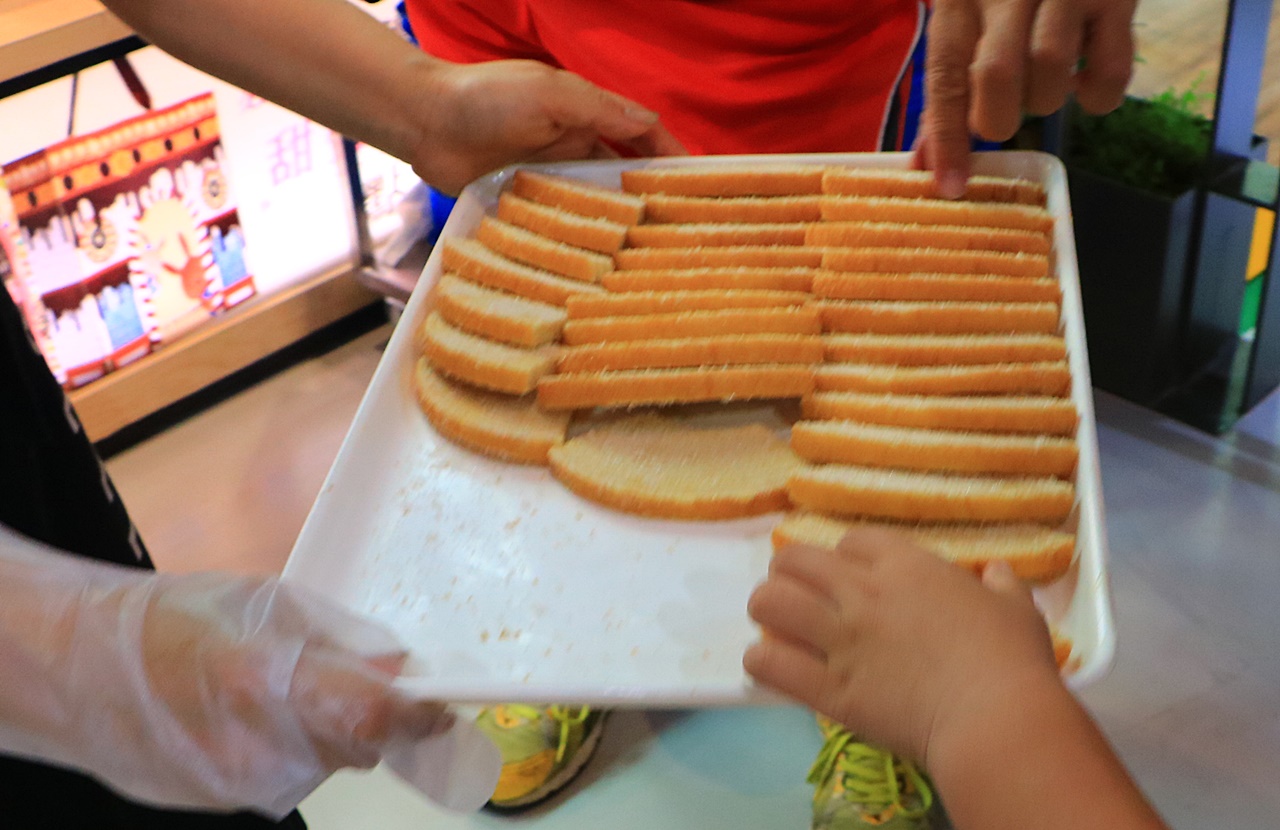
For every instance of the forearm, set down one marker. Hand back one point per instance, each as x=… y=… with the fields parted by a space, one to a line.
x=324 y=59
x=1040 y=765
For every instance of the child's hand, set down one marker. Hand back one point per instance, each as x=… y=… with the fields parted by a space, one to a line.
x=895 y=643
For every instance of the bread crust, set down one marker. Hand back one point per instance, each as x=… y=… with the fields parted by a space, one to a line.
x=577 y=196
x=721 y=350
x=503 y=320
x=726 y=180
x=935 y=261
x=794 y=320
x=498 y=426
x=716 y=235
x=532 y=249
x=968 y=287
x=920 y=184
x=843 y=490
x=661 y=208
x=470 y=259
x=687 y=279
x=908 y=448
x=936 y=212
x=910 y=317
x=936 y=237
x=657 y=302
x=1051 y=378
x=732 y=256
x=481 y=362
x=670 y=386
x=599 y=235
x=982 y=413
x=943 y=349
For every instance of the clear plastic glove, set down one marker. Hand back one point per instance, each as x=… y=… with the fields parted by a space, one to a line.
x=210 y=691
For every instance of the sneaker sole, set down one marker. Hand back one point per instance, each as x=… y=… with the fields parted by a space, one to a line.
x=562 y=779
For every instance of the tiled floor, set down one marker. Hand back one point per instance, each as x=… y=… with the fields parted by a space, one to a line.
x=1192 y=703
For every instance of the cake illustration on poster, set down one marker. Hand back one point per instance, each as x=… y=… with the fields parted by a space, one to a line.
x=133 y=236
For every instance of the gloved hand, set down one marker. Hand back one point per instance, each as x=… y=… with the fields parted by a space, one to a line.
x=210 y=691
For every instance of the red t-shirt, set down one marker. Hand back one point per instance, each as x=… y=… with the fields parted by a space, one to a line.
x=727 y=76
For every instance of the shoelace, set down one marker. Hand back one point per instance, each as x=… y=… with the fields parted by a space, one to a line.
x=871 y=775
x=558 y=713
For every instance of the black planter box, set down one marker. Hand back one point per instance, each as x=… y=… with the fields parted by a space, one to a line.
x=1133 y=247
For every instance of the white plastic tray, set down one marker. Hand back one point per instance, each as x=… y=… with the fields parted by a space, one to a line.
x=505 y=586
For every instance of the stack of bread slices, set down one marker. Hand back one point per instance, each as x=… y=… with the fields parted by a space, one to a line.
x=922 y=336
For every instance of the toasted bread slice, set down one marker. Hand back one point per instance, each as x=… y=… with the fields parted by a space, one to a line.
x=690 y=279
x=733 y=256
x=664 y=468
x=600 y=235
x=920 y=184
x=934 y=261
x=938 y=237
x=716 y=234
x=720 y=350
x=500 y=426
x=793 y=320
x=846 y=490
x=1043 y=378
x=469 y=259
x=726 y=180
x=497 y=315
x=658 y=302
x=532 y=249
x=943 y=349
x=936 y=212
x=906 y=317
x=1034 y=553
x=482 y=362
x=661 y=208
x=966 y=287
x=673 y=386
x=580 y=197
x=1000 y=414
x=936 y=450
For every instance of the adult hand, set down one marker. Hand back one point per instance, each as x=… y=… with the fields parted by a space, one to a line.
x=989 y=61
x=487 y=115
x=892 y=641
x=203 y=691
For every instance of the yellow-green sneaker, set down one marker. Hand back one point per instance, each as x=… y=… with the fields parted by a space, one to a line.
x=542 y=749
x=859 y=786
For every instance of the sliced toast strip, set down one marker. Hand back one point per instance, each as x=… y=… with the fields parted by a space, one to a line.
x=907 y=317
x=598 y=235
x=689 y=279
x=934 y=261
x=732 y=256
x=938 y=237
x=936 y=212
x=908 y=448
x=965 y=287
x=664 y=468
x=533 y=249
x=726 y=180
x=658 y=302
x=469 y=259
x=499 y=426
x=575 y=196
x=497 y=315
x=1000 y=414
x=943 y=349
x=661 y=208
x=919 y=184
x=672 y=386
x=797 y=320
x=1043 y=378
x=1034 y=553
x=482 y=362
x=722 y=350
x=847 y=490
x=713 y=234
